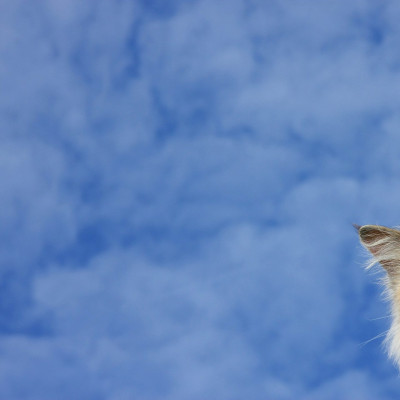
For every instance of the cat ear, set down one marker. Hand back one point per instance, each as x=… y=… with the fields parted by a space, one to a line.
x=384 y=244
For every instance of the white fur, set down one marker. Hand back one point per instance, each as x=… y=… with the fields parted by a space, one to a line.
x=384 y=245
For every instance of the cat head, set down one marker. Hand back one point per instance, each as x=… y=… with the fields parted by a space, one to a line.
x=384 y=245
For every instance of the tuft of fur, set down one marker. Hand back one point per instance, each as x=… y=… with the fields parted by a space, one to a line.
x=384 y=245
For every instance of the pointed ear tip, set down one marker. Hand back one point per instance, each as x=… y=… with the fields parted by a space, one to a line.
x=357 y=227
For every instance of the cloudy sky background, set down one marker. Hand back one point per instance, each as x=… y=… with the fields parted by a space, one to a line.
x=178 y=182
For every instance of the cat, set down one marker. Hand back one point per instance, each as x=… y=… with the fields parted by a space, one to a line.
x=384 y=245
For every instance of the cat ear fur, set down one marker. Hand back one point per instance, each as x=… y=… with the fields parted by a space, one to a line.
x=384 y=245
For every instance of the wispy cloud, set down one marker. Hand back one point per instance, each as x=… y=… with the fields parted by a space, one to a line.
x=178 y=183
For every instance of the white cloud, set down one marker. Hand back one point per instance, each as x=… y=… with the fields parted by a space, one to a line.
x=220 y=152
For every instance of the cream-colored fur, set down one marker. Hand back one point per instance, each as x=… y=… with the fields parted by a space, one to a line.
x=384 y=245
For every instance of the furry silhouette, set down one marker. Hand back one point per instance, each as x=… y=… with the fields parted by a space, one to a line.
x=384 y=245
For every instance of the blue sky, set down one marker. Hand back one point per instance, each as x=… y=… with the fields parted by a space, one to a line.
x=178 y=182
